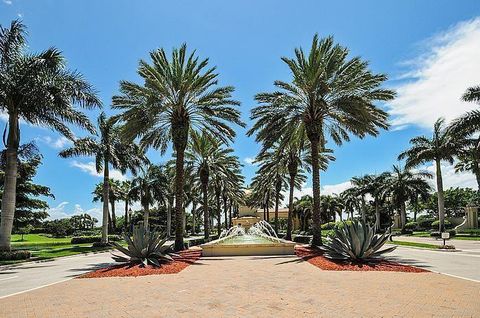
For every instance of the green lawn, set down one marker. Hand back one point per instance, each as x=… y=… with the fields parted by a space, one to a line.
x=414 y=244
x=44 y=247
x=459 y=236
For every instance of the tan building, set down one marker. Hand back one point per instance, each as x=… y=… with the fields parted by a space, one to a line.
x=249 y=216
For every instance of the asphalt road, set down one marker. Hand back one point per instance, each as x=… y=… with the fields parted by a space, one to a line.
x=464 y=263
x=33 y=275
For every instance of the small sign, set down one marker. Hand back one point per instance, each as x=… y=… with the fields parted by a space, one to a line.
x=445 y=235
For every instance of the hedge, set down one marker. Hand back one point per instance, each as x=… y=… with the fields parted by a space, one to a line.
x=438 y=234
x=92 y=239
x=435 y=224
x=14 y=255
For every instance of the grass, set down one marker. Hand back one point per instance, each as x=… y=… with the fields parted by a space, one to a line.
x=459 y=236
x=414 y=244
x=44 y=247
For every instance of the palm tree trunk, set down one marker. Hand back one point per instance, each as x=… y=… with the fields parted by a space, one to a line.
x=146 y=215
x=278 y=187
x=268 y=206
x=169 y=215
x=290 y=204
x=114 y=217
x=10 y=183
x=194 y=209
x=125 y=225
x=364 y=208
x=377 y=215
x=225 y=211
x=441 y=197
x=219 y=211
x=403 y=215
x=206 y=216
x=230 y=214
x=106 y=192
x=317 y=231
x=179 y=183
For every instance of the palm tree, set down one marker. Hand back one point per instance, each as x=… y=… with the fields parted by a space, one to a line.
x=331 y=206
x=39 y=89
x=302 y=208
x=441 y=147
x=404 y=185
x=150 y=187
x=372 y=185
x=109 y=150
x=125 y=194
x=351 y=201
x=466 y=127
x=329 y=95
x=208 y=159
x=113 y=196
x=469 y=159
x=178 y=96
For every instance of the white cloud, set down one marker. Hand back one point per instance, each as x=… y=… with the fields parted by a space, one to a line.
x=8 y=2
x=438 y=77
x=56 y=143
x=20 y=15
x=62 y=211
x=338 y=188
x=90 y=168
x=249 y=161
x=452 y=179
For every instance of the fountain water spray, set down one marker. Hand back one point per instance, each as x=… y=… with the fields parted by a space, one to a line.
x=262 y=228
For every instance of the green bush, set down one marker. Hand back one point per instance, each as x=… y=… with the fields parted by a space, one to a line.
x=425 y=223
x=435 y=224
x=92 y=239
x=411 y=225
x=472 y=232
x=302 y=239
x=438 y=234
x=15 y=255
x=328 y=226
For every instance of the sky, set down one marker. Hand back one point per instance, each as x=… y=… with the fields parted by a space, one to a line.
x=428 y=49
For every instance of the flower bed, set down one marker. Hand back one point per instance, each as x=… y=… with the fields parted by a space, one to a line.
x=315 y=257
x=186 y=258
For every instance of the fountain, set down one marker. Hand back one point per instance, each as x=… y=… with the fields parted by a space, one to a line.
x=260 y=239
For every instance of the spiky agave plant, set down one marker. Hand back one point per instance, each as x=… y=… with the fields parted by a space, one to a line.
x=144 y=247
x=355 y=241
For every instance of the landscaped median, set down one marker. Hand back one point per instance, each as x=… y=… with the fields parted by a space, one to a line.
x=422 y=245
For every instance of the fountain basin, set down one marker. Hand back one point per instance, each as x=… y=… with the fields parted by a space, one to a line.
x=246 y=245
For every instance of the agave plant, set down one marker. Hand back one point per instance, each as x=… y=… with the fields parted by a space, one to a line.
x=144 y=247
x=355 y=241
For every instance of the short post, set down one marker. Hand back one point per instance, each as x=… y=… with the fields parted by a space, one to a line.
x=445 y=236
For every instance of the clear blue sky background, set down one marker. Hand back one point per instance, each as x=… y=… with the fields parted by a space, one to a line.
x=245 y=39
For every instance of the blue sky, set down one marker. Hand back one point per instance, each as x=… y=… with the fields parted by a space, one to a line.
x=424 y=46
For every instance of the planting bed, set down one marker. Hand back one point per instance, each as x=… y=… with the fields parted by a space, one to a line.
x=315 y=257
x=186 y=258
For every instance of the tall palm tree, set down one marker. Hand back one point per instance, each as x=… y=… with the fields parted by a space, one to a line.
x=208 y=159
x=442 y=146
x=329 y=95
x=467 y=127
x=404 y=185
x=370 y=185
x=469 y=159
x=39 y=89
x=108 y=150
x=125 y=194
x=178 y=95
x=331 y=206
x=150 y=187
x=351 y=201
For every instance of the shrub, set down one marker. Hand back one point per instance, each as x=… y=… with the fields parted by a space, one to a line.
x=14 y=255
x=435 y=224
x=438 y=234
x=58 y=228
x=302 y=239
x=355 y=241
x=425 y=223
x=144 y=247
x=328 y=226
x=411 y=225
x=472 y=232
x=92 y=239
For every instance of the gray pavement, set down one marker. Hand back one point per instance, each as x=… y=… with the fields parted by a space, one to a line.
x=464 y=263
x=33 y=275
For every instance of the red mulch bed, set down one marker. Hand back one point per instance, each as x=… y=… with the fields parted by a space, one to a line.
x=187 y=257
x=314 y=256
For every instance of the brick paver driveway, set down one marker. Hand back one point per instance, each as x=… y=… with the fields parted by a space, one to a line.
x=253 y=287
